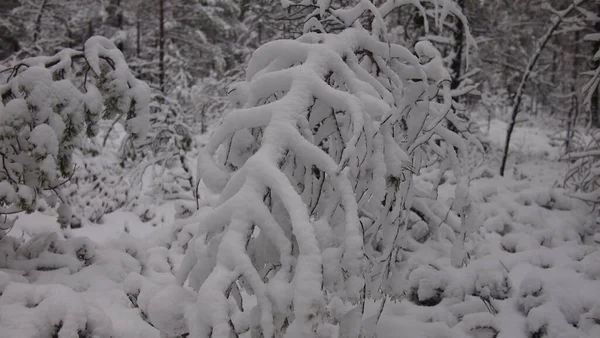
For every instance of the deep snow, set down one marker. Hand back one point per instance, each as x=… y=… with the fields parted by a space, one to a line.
x=534 y=266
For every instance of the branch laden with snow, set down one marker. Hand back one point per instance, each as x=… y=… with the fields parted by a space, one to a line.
x=583 y=176
x=317 y=181
x=47 y=105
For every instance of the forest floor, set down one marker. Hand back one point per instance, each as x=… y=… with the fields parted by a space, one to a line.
x=534 y=267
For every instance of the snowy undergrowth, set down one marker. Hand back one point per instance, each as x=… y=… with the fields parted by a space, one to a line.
x=156 y=190
x=114 y=279
x=48 y=104
x=526 y=140
x=534 y=270
x=115 y=286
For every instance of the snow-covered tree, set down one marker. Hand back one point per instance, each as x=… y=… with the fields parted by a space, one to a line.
x=48 y=104
x=584 y=174
x=43 y=27
x=99 y=185
x=560 y=16
x=318 y=176
x=177 y=47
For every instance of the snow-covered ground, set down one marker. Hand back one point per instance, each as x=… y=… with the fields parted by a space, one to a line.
x=534 y=268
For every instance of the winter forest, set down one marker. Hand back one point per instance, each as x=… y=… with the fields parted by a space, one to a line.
x=300 y=168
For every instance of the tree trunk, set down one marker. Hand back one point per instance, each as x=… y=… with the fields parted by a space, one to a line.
x=138 y=31
x=203 y=119
x=595 y=102
x=119 y=15
x=38 y=20
x=456 y=65
x=553 y=70
x=243 y=4
x=161 y=45
x=573 y=111
x=530 y=66
x=596 y=107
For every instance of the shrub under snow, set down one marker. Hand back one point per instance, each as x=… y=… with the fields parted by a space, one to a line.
x=316 y=174
x=48 y=104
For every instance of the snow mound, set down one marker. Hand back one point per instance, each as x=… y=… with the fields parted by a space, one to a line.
x=57 y=286
x=533 y=270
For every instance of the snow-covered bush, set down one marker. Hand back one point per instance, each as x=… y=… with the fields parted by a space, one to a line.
x=169 y=140
x=48 y=104
x=77 y=288
x=52 y=311
x=317 y=175
x=115 y=173
x=427 y=285
x=583 y=176
x=492 y=282
x=98 y=186
x=531 y=293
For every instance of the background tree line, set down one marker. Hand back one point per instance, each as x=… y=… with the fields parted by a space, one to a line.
x=189 y=51
x=174 y=43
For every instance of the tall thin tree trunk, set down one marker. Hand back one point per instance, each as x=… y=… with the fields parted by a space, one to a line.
x=553 y=70
x=530 y=66
x=596 y=107
x=119 y=23
x=456 y=65
x=119 y=15
x=161 y=44
x=203 y=119
x=573 y=111
x=138 y=28
x=595 y=102
x=38 y=20
x=90 y=31
x=243 y=4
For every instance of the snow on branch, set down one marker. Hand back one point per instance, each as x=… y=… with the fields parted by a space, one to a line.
x=324 y=13
x=48 y=102
x=316 y=173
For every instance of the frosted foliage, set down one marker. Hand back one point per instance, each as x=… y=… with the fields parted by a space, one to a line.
x=56 y=287
x=56 y=310
x=584 y=171
x=316 y=173
x=47 y=108
x=97 y=186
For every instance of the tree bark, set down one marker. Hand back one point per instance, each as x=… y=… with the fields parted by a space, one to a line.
x=243 y=4
x=38 y=20
x=574 y=111
x=553 y=71
x=456 y=65
x=526 y=75
x=161 y=45
x=137 y=39
x=595 y=102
